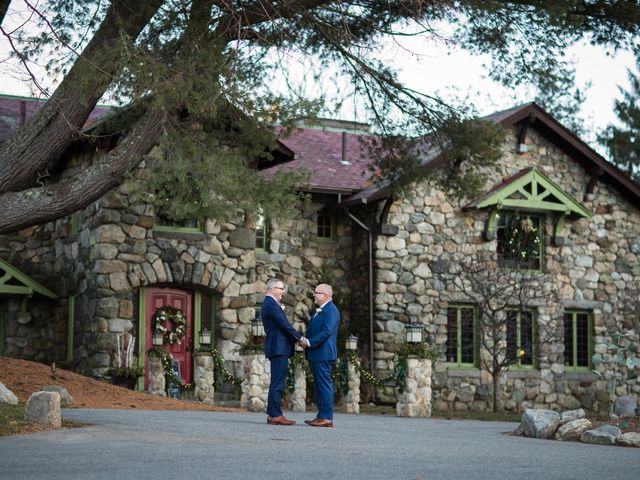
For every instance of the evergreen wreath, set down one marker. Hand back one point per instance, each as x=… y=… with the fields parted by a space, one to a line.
x=176 y=317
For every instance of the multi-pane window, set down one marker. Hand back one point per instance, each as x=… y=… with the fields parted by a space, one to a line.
x=262 y=233
x=165 y=224
x=521 y=344
x=520 y=241
x=577 y=339
x=461 y=347
x=325 y=226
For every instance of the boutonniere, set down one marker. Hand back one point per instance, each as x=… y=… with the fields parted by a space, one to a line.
x=282 y=307
x=318 y=310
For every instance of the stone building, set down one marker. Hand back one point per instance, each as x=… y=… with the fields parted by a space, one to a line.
x=98 y=277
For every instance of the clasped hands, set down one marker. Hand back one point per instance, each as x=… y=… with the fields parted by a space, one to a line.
x=303 y=342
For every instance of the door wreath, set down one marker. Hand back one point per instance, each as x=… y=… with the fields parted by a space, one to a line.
x=173 y=315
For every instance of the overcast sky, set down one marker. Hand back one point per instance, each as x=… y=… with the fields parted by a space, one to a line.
x=435 y=69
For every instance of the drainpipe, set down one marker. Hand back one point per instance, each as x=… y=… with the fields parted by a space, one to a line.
x=370 y=255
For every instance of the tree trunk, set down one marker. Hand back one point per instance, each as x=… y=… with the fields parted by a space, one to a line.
x=43 y=204
x=33 y=149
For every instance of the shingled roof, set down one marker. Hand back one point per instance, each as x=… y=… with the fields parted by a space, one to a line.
x=15 y=111
x=534 y=116
x=337 y=160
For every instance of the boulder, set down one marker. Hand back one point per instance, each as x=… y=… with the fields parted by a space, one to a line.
x=625 y=406
x=540 y=423
x=571 y=415
x=573 y=430
x=7 y=397
x=629 y=439
x=66 y=400
x=43 y=407
x=604 y=435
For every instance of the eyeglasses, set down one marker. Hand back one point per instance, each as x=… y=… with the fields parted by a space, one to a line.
x=319 y=293
x=278 y=288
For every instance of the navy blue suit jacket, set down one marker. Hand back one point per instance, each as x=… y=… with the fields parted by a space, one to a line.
x=280 y=336
x=322 y=333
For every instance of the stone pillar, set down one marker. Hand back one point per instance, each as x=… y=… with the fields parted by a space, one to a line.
x=352 y=398
x=415 y=401
x=298 y=400
x=256 y=373
x=203 y=378
x=157 y=381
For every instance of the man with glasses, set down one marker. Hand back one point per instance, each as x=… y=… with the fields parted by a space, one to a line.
x=321 y=351
x=279 y=341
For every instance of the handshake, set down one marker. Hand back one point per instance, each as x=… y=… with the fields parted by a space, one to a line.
x=304 y=342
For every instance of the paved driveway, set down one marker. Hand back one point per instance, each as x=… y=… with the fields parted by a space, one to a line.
x=124 y=444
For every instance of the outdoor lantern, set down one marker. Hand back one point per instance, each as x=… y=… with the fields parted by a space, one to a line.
x=352 y=343
x=158 y=338
x=205 y=337
x=257 y=329
x=413 y=332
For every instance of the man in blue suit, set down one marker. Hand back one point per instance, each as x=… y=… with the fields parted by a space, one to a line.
x=321 y=351
x=279 y=341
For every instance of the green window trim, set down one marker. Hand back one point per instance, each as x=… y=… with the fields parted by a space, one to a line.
x=141 y=335
x=262 y=234
x=187 y=226
x=326 y=227
x=3 y=316
x=458 y=362
x=70 y=322
x=572 y=365
x=518 y=339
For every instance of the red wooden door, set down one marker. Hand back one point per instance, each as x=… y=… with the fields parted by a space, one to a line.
x=182 y=352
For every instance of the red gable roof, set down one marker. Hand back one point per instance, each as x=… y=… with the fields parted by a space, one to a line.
x=321 y=152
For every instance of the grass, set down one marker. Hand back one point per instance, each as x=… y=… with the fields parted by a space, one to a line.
x=12 y=422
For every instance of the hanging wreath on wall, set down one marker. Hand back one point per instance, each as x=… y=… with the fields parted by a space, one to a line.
x=176 y=317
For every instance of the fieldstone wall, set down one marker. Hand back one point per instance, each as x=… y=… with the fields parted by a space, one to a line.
x=595 y=266
x=296 y=255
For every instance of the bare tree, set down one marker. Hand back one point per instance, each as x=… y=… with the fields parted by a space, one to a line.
x=507 y=302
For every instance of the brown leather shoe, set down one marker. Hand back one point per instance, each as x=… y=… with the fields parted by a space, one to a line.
x=281 y=420
x=309 y=422
x=321 y=422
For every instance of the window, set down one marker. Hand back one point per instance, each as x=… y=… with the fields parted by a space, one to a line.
x=521 y=339
x=577 y=339
x=461 y=347
x=164 y=224
x=520 y=241
x=325 y=226
x=262 y=233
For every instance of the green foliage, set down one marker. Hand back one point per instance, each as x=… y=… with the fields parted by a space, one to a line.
x=251 y=344
x=469 y=149
x=198 y=177
x=623 y=142
x=419 y=350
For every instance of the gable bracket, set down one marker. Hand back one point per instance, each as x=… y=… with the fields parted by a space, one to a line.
x=595 y=176
x=558 y=224
x=491 y=225
x=521 y=146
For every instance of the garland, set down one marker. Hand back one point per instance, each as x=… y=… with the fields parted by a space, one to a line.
x=219 y=370
x=341 y=374
x=176 y=317
x=419 y=350
x=165 y=359
x=296 y=361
